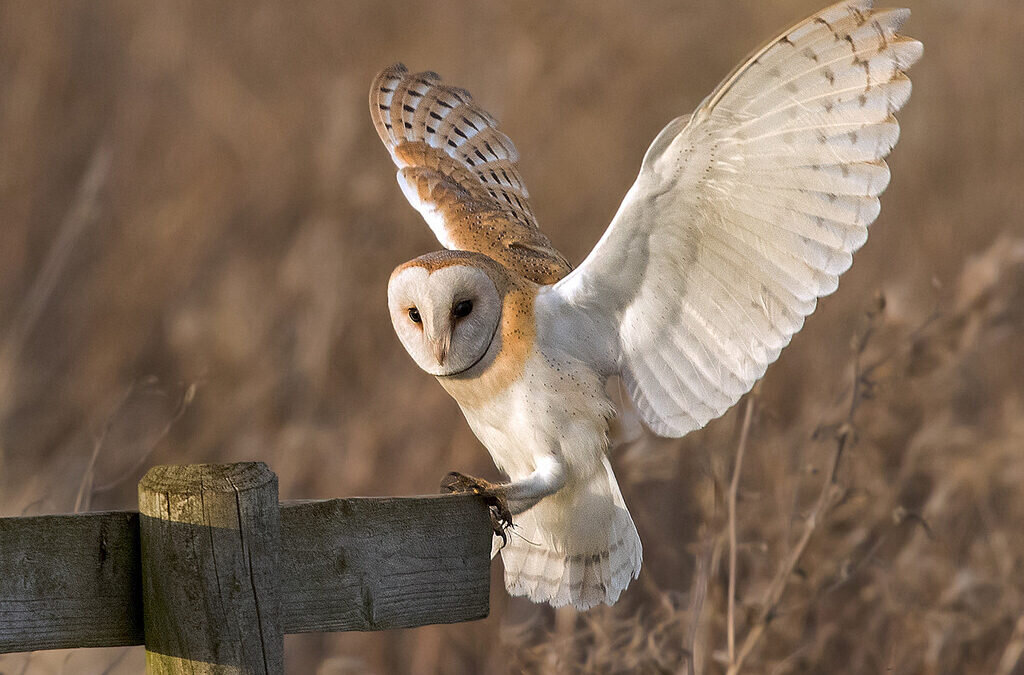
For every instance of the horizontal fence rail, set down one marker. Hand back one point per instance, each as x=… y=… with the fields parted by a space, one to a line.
x=361 y=564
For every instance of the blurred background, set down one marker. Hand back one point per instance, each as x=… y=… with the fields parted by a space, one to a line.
x=198 y=222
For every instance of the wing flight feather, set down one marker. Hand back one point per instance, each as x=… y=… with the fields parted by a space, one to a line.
x=459 y=171
x=745 y=214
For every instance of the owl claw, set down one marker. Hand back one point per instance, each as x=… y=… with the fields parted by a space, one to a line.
x=493 y=495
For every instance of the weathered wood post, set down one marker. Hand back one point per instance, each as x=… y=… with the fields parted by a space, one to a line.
x=210 y=536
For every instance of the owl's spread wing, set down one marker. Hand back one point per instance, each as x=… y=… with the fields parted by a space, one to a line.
x=459 y=171
x=745 y=214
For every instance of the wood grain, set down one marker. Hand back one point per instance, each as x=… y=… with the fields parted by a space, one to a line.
x=210 y=537
x=70 y=581
x=344 y=564
x=373 y=564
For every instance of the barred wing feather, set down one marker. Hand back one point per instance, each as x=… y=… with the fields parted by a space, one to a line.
x=747 y=212
x=459 y=171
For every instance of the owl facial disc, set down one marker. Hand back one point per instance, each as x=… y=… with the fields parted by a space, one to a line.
x=446 y=318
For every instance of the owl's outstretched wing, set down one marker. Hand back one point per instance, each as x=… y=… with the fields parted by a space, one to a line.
x=745 y=214
x=459 y=171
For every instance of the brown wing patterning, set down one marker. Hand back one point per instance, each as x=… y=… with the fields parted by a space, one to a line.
x=460 y=172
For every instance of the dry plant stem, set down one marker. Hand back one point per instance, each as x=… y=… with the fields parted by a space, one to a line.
x=733 y=490
x=85 y=487
x=80 y=214
x=827 y=497
x=183 y=404
x=1014 y=649
x=700 y=591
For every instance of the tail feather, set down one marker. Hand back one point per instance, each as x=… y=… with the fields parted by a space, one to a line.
x=578 y=547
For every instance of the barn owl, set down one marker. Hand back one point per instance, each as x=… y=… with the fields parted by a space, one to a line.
x=743 y=215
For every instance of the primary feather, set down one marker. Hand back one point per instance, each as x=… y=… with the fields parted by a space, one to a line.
x=745 y=214
x=459 y=171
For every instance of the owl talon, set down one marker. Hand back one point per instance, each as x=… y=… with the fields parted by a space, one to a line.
x=493 y=495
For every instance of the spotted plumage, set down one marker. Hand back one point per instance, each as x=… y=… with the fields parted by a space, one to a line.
x=742 y=216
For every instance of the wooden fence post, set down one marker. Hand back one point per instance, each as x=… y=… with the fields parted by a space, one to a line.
x=210 y=536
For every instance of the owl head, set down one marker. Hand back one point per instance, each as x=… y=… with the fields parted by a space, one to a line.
x=446 y=308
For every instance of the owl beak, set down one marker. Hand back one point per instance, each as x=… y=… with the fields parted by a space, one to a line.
x=441 y=347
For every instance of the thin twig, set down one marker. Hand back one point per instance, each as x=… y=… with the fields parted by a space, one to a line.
x=733 y=490
x=827 y=497
x=183 y=404
x=85 y=487
x=700 y=591
x=78 y=217
x=80 y=214
x=1014 y=649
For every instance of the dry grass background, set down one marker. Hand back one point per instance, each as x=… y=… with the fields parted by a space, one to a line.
x=197 y=225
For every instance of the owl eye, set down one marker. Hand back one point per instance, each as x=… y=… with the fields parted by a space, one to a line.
x=463 y=308
x=414 y=315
